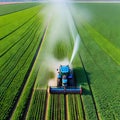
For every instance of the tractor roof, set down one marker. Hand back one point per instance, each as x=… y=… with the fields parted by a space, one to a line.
x=64 y=69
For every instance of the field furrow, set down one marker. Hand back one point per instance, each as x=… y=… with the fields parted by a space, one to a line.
x=9 y=76
x=104 y=43
x=18 y=36
x=11 y=27
x=24 y=99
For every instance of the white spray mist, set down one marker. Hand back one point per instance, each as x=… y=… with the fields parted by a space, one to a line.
x=75 y=35
x=76 y=47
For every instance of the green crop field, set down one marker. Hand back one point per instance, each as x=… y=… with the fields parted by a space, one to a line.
x=36 y=38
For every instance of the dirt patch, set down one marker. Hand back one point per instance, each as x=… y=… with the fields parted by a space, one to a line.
x=52 y=82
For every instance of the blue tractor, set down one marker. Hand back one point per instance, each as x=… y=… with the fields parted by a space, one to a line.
x=65 y=81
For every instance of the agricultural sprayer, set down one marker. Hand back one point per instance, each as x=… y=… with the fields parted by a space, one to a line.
x=65 y=82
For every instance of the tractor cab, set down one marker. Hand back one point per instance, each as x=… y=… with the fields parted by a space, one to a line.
x=64 y=75
x=65 y=82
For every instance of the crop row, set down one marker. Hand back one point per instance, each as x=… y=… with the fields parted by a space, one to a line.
x=9 y=56
x=87 y=104
x=19 y=76
x=19 y=71
x=56 y=107
x=106 y=45
x=13 y=68
x=105 y=79
x=75 y=111
x=81 y=75
x=8 y=9
x=37 y=106
x=27 y=91
x=23 y=45
x=8 y=26
x=16 y=36
x=102 y=68
x=104 y=16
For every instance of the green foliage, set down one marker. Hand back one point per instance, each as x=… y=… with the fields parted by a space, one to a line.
x=60 y=50
x=10 y=8
x=20 y=35
x=100 y=55
x=56 y=107
x=20 y=18
x=74 y=107
x=13 y=73
x=37 y=106
x=105 y=44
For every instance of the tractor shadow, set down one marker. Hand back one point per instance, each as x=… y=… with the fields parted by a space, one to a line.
x=82 y=78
